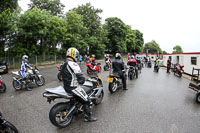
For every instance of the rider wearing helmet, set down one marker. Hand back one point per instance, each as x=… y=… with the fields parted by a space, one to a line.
x=132 y=61
x=118 y=67
x=72 y=76
x=23 y=69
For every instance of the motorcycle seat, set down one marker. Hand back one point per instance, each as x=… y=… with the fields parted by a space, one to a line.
x=59 y=91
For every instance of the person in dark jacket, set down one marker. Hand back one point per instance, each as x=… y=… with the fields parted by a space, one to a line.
x=168 y=65
x=72 y=77
x=118 y=67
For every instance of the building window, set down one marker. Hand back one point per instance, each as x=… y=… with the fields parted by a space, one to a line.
x=194 y=60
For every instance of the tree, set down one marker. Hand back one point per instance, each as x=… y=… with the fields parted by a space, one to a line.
x=164 y=52
x=8 y=4
x=152 y=47
x=54 y=7
x=177 y=49
x=96 y=37
x=117 y=32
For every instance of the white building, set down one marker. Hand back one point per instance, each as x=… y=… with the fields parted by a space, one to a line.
x=189 y=60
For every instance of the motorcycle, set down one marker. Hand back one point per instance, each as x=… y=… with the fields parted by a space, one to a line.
x=6 y=127
x=114 y=81
x=178 y=70
x=62 y=113
x=156 y=68
x=197 y=89
x=90 y=68
x=107 y=66
x=33 y=76
x=59 y=76
x=2 y=85
x=133 y=72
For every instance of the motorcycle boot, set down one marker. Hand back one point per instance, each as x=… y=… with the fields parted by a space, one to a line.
x=88 y=113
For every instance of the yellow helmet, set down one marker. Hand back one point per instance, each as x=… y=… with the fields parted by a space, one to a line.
x=73 y=53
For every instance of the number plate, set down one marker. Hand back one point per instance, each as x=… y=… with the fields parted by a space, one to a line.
x=181 y=71
x=1 y=70
x=110 y=80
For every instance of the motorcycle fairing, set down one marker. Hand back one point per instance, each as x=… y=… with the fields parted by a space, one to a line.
x=59 y=91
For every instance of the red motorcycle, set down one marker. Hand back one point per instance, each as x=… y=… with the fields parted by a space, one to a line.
x=2 y=85
x=91 y=69
x=178 y=70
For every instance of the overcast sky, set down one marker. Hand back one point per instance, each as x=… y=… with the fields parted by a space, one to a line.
x=168 y=22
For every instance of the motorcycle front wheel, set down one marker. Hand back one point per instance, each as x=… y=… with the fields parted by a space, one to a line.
x=99 y=99
x=17 y=85
x=3 y=87
x=58 y=113
x=39 y=81
x=7 y=127
x=112 y=87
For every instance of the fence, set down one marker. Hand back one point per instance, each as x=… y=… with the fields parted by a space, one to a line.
x=15 y=62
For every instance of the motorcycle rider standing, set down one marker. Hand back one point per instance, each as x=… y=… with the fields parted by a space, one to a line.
x=23 y=70
x=72 y=77
x=118 y=67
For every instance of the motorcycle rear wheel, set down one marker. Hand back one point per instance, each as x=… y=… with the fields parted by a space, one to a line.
x=59 y=76
x=3 y=87
x=8 y=128
x=58 y=113
x=17 y=85
x=112 y=87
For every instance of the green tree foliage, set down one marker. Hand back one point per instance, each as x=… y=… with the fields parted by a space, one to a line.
x=134 y=41
x=153 y=47
x=164 y=52
x=54 y=7
x=177 y=49
x=116 y=33
x=8 y=4
x=96 y=36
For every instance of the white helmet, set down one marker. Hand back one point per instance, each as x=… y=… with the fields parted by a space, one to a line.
x=25 y=58
x=117 y=55
x=73 y=53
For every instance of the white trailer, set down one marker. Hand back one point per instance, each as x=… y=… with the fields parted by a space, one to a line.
x=189 y=60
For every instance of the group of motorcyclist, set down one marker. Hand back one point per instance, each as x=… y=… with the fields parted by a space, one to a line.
x=73 y=77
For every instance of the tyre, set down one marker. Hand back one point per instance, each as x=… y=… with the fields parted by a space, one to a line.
x=40 y=81
x=131 y=76
x=105 y=68
x=112 y=87
x=198 y=97
x=57 y=115
x=3 y=87
x=136 y=74
x=7 y=127
x=59 y=76
x=157 y=70
x=99 y=99
x=180 y=74
x=17 y=85
x=88 y=71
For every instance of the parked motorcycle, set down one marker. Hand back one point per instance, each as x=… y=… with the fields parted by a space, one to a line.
x=107 y=66
x=133 y=72
x=6 y=127
x=114 y=81
x=156 y=68
x=59 y=76
x=197 y=89
x=62 y=113
x=33 y=76
x=90 y=68
x=2 y=85
x=178 y=70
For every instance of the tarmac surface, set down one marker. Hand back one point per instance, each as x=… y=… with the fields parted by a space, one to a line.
x=155 y=103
